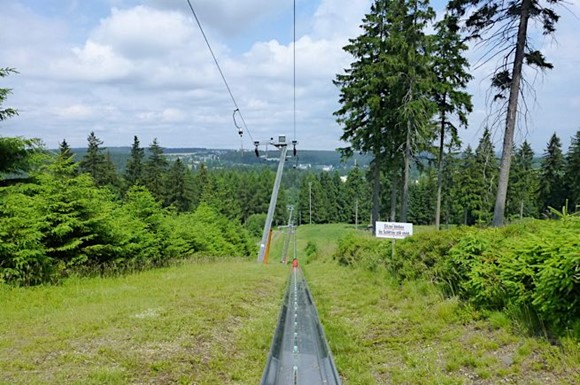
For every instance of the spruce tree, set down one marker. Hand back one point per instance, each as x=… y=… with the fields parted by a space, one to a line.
x=572 y=177
x=64 y=149
x=16 y=154
x=487 y=169
x=551 y=192
x=154 y=171
x=134 y=168
x=450 y=67
x=357 y=192
x=179 y=191
x=504 y=27
x=367 y=108
x=467 y=188
x=523 y=185
x=6 y=113
x=98 y=165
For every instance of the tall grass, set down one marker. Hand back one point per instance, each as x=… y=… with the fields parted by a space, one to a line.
x=202 y=323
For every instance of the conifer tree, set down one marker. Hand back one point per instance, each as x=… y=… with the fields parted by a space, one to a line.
x=467 y=188
x=357 y=192
x=450 y=67
x=551 y=192
x=179 y=192
x=413 y=80
x=504 y=26
x=64 y=149
x=16 y=154
x=93 y=160
x=97 y=164
x=134 y=168
x=572 y=177
x=523 y=185
x=487 y=168
x=154 y=171
x=366 y=113
x=385 y=94
x=6 y=113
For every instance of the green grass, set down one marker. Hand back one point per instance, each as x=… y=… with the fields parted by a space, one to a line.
x=198 y=323
x=213 y=322
x=384 y=333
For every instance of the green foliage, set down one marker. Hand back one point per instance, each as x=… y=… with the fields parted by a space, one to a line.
x=23 y=258
x=62 y=223
x=255 y=224
x=531 y=266
x=206 y=232
x=19 y=155
x=551 y=190
x=134 y=167
x=572 y=174
x=354 y=250
x=523 y=184
x=311 y=250
x=4 y=92
x=154 y=170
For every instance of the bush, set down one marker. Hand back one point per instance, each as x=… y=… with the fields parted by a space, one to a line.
x=255 y=224
x=533 y=266
x=360 y=251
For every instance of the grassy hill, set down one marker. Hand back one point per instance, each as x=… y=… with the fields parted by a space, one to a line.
x=212 y=322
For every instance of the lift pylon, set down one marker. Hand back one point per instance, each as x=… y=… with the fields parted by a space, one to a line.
x=283 y=147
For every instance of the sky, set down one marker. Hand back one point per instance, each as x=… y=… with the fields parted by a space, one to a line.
x=125 y=67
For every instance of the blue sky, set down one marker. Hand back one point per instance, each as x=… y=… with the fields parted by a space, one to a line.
x=127 y=67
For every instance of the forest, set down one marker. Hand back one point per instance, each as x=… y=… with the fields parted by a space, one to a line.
x=402 y=103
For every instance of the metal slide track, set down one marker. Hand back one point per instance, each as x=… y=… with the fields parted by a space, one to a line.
x=299 y=354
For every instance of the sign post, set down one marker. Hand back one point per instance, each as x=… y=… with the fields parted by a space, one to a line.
x=393 y=230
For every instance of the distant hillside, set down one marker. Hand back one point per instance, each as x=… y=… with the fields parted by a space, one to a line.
x=220 y=158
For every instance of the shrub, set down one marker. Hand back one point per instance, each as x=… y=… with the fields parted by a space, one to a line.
x=533 y=266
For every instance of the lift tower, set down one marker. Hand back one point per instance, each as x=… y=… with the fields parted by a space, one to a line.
x=283 y=147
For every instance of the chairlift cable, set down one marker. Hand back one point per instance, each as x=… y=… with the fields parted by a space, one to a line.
x=294 y=67
x=237 y=109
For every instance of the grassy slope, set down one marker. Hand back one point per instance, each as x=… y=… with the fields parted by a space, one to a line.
x=205 y=323
x=212 y=323
x=382 y=333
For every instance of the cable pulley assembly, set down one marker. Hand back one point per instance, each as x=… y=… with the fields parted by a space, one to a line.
x=240 y=130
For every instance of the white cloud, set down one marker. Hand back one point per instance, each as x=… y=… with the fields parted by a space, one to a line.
x=76 y=111
x=94 y=63
x=142 y=68
x=144 y=32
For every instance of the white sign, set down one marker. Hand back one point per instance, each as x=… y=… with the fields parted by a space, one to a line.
x=394 y=230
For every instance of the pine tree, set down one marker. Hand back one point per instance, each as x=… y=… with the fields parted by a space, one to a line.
x=64 y=149
x=551 y=192
x=523 y=184
x=97 y=164
x=179 y=190
x=367 y=112
x=421 y=200
x=486 y=166
x=4 y=92
x=498 y=20
x=134 y=168
x=467 y=188
x=572 y=177
x=450 y=67
x=154 y=171
x=413 y=80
